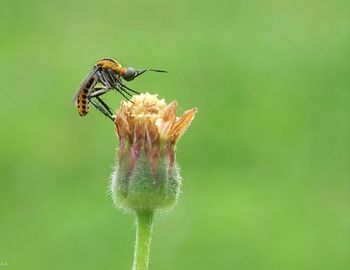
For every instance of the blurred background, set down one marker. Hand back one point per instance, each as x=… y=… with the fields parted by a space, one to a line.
x=266 y=163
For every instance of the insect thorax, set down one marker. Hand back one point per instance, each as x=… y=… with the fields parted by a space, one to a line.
x=109 y=63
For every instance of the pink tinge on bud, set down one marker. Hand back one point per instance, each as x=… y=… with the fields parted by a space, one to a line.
x=148 y=124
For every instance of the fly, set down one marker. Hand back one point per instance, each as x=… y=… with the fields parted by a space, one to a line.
x=106 y=75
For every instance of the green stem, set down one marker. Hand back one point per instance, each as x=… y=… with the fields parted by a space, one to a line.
x=143 y=239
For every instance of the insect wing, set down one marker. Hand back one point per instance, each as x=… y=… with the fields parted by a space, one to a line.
x=85 y=82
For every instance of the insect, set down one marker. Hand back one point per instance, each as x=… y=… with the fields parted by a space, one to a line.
x=106 y=75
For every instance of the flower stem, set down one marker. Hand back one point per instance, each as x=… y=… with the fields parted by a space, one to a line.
x=143 y=239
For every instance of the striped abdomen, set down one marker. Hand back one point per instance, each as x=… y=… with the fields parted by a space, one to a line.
x=82 y=101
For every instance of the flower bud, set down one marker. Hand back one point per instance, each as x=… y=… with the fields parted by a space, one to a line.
x=146 y=175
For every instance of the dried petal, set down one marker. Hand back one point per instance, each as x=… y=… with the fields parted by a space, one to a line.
x=182 y=124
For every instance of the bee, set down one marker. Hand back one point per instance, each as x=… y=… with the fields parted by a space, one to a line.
x=107 y=74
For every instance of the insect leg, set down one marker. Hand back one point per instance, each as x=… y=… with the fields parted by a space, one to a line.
x=117 y=82
x=112 y=77
x=97 y=91
x=121 y=92
x=101 y=91
x=119 y=86
x=107 y=76
x=124 y=86
x=104 y=108
x=102 y=78
x=104 y=105
x=101 y=109
x=132 y=90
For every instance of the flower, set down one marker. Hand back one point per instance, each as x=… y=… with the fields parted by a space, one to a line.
x=146 y=175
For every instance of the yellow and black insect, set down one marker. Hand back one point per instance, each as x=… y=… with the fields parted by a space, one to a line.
x=107 y=74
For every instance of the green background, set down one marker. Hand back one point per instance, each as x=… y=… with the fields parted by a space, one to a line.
x=266 y=162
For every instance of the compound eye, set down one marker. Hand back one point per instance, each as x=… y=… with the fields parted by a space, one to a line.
x=129 y=74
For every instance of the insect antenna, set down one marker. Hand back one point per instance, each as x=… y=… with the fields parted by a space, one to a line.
x=157 y=70
x=141 y=71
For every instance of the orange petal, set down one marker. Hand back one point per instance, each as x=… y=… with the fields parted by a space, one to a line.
x=182 y=124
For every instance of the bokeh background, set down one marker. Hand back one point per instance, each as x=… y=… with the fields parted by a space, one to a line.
x=265 y=163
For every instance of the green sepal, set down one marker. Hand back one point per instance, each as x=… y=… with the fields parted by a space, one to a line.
x=144 y=189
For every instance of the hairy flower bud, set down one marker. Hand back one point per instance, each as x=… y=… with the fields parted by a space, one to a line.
x=146 y=175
